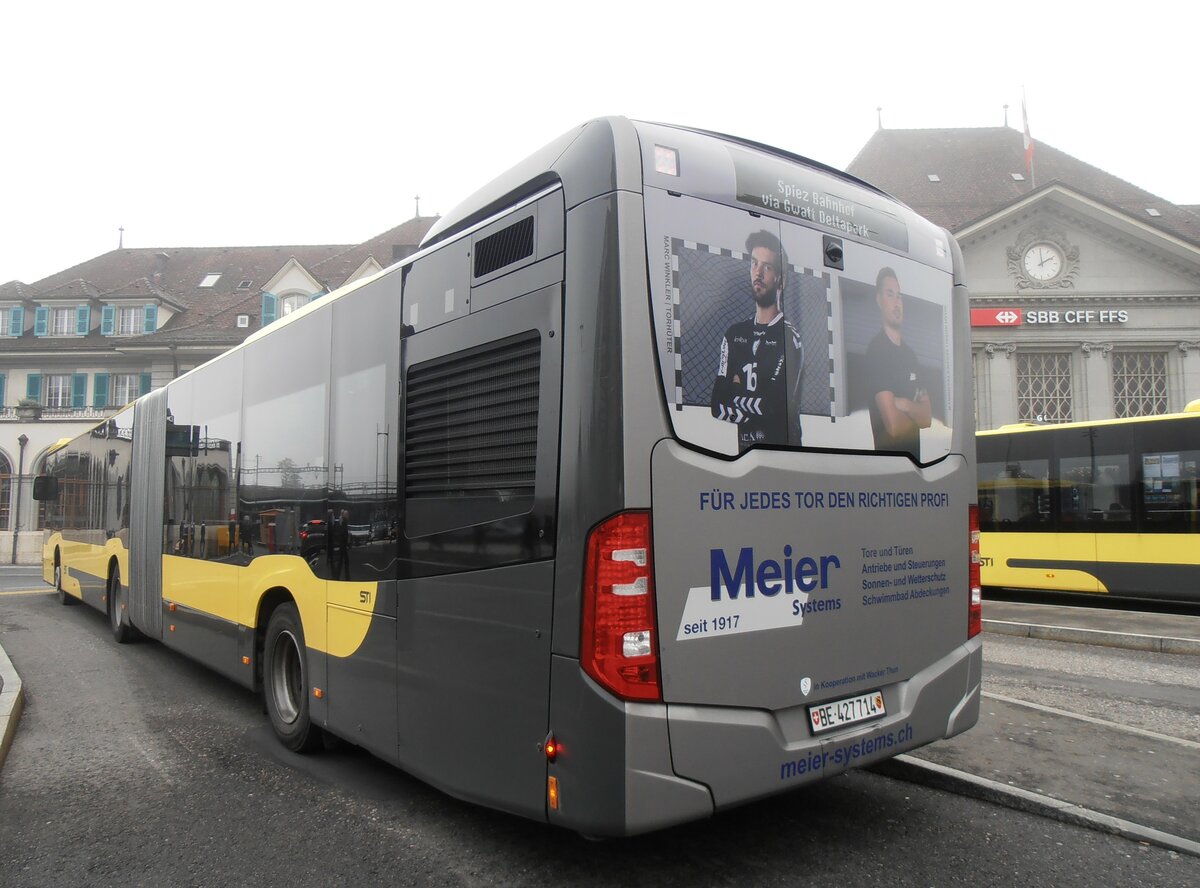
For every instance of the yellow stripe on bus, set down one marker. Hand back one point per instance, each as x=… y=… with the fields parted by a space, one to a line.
x=335 y=615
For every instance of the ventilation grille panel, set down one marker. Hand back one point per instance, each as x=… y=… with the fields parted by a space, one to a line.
x=471 y=423
x=506 y=246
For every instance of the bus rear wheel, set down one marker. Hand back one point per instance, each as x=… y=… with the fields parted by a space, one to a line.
x=285 y=681
x=118 y=615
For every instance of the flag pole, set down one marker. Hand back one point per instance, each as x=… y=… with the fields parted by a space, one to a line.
x=1028 y=142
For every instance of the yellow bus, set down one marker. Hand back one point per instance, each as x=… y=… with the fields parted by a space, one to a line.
x=1107 y=507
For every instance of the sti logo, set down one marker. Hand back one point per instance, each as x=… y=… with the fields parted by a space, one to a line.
x=995 y=317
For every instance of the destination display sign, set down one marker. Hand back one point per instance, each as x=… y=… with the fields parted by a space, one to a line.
x=788 y=188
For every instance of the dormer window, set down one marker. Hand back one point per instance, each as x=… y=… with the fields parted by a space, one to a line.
x=62 y=321
x=130 y=320
x=933 y=177
x=210 y=279
x=289 y=304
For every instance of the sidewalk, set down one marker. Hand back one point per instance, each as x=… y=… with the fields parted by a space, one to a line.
x=1165 y=633
x=12 y=699
x=1092 y=772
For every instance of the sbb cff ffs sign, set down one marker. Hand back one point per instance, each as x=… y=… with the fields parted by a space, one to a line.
x=1011 y=317
x=1078 y=316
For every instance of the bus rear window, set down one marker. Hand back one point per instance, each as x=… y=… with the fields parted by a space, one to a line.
x=778 y=333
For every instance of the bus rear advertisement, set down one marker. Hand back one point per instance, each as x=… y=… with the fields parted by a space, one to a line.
x=645 y=488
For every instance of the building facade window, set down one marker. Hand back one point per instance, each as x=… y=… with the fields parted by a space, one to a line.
x=62 y=321
x=5 y=491
x=1139 y=383
x=129 y=321
x=1044 y=387
x=123 y=388
x=58 y=390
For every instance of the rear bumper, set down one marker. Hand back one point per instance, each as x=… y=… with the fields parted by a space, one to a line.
x=628 y=768
x=743 y=754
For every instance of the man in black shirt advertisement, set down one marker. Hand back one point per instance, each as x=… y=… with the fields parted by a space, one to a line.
x=757 y=385
x=899 y=403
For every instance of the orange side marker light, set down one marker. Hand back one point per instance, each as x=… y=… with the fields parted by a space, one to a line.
x=318 y=693
x=552 y=792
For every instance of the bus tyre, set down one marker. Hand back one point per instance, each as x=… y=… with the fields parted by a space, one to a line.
x=285 y=681
x=63 y=597
x=118 y=615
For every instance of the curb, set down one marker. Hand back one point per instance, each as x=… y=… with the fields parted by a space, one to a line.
x=914 y=770
x=1156 y=643
x=12 y=699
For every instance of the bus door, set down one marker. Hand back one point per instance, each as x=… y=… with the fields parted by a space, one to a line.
x=480 y=384
x=146 y=510
x=1094 y=502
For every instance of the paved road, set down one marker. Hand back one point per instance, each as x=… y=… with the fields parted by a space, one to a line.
x=133 y=766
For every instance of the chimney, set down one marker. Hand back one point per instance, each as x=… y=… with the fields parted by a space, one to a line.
x=160 y=266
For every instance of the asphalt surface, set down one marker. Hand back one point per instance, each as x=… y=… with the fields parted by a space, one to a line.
x=1148 y=806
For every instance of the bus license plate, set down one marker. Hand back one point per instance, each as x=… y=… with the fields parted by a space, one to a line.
x=839 y=713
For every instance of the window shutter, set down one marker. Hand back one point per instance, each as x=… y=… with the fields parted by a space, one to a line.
x=83 y=319
x=150 y=323
x=108 y=320
x=317 y=295
x=100 y=390
x=1 y=390
x=144 y=384
x=78 y=390
x=41 y=321
x=16 y=321
x=33 y=386
x=269 y=308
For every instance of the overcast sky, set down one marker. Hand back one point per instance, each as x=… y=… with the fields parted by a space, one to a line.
x=214 y=123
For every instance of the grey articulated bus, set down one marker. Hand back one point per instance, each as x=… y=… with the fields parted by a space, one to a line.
x=645 y=488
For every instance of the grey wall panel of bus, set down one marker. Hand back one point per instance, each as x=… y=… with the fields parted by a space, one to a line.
x=145 y=556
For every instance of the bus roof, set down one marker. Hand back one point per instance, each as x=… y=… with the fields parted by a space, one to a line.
x=1191 y=411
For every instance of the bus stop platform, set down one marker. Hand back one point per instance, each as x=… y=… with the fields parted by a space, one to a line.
x=1167 y=633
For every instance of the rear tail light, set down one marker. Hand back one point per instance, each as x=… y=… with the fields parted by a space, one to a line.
x=975 y=608
x=619 y=646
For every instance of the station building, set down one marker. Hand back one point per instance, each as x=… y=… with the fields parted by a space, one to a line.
x=1085 y=289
